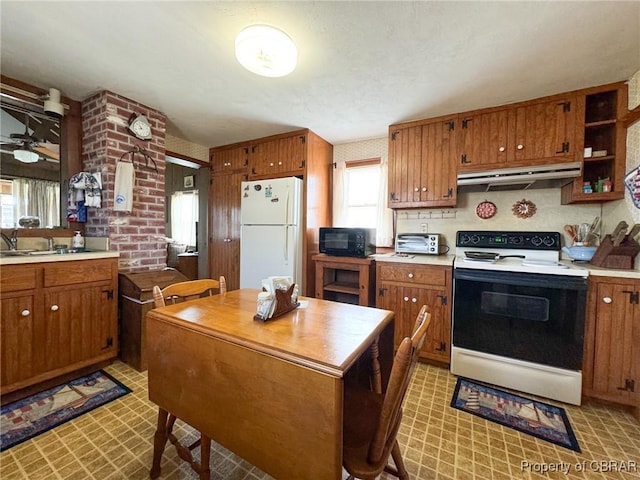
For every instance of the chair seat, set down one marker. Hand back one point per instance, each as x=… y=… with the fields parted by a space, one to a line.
x=362 y=410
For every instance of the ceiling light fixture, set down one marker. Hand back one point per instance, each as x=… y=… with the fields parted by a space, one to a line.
x=266 y=51
x=26 y=156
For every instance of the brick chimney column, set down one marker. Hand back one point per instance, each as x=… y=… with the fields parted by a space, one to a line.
x=138 y=235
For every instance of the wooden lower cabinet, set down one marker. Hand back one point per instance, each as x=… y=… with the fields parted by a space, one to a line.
x=612 y=341
x=47 y=331
x=404 y=288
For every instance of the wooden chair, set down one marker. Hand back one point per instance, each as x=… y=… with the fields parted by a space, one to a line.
x=172 y=294
x=372 y=419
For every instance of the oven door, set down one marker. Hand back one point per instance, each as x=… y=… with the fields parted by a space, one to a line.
x=531 y=317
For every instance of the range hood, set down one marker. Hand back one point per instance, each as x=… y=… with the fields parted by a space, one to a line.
x=519 y=178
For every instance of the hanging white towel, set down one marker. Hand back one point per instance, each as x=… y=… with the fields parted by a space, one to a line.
x=123 y=191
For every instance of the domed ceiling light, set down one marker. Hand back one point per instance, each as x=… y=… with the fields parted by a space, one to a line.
x=26 y=156
x=266 y=51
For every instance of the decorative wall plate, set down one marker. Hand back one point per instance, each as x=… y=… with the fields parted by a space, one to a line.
x=486 y=209
x=524 y=209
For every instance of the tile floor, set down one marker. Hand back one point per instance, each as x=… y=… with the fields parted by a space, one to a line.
x=438 y=442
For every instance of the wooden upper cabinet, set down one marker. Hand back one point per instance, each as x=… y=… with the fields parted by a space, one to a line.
x=422 y=164
x=536 y=132
x=230 y=159
x=286 y=154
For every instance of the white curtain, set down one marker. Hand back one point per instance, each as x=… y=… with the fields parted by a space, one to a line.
x=184 y=215
x=39 y=198
x=384 y=221
x=340 y=195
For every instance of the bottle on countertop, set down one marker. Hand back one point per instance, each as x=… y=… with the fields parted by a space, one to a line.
x=78 y=240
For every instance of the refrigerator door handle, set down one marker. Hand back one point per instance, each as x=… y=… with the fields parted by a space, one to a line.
x=288 y=220
x=286 y=243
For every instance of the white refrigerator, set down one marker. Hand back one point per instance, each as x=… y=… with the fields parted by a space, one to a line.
x=271 y=232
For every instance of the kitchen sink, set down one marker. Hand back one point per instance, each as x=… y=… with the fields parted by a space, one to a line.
x=15 y=253
x=23 y=253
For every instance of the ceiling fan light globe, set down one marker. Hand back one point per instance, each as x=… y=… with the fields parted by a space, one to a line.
x=26 y=156
x=266 y=51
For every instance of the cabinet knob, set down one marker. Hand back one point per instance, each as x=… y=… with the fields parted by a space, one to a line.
x=501 y=149
x=279 y=163
x=410 y=275
x=271 y=164
x=520 y=147
x=414 y=299
x=607 y=300
x=416 y=189
x=406 y=299
x=424 y=189
x=54 y=308
x=25 y=313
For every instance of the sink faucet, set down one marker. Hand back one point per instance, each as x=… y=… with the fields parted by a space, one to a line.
x=50 y=242
x=12 y=242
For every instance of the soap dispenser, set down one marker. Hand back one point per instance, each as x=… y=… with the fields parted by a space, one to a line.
x=78 y=240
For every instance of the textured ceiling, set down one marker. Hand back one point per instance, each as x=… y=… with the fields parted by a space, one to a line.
x=362 y=65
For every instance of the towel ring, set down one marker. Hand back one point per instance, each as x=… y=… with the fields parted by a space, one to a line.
x=146 y=156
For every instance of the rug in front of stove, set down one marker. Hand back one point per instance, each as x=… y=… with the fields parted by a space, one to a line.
x=535 y=418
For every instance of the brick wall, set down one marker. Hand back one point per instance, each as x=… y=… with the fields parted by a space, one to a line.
x=138 y=235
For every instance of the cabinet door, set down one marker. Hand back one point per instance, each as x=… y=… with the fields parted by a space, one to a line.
x=616 y=355
x=79 y=324
x=224 y=228
x=279 y=156
x=292 y=152
x=406 y=303
x=438 y=172
x=484 y=140
x=17 y=338
x=544 y=133
x=264 y=158
x=223 y=161
x=421 y=165
x=405 y=149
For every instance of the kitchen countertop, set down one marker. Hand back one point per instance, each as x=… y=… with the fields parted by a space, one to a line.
x=447 y=260
x=56 y=257
x=444 y=260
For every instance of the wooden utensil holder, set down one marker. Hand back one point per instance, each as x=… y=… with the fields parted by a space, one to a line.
x=622 y=257
x=284 y=304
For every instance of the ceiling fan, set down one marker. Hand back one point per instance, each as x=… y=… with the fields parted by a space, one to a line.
x=27 y=147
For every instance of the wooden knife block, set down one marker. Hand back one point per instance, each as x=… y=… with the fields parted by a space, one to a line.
x=622 y=257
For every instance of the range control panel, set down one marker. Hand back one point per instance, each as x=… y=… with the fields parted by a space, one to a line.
x=512 y=240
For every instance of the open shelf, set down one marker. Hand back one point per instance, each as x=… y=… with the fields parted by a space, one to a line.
x=345 y=279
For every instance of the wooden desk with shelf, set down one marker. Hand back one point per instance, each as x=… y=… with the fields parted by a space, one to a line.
x=345 y=279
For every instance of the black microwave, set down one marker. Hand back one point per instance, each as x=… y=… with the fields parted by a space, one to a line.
x=347 y=242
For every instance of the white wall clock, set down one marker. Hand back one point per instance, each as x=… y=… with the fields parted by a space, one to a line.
x=139 y=127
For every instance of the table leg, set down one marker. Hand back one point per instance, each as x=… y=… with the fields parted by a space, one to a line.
x=159 y=442
x=205 y=449
x=376 y=375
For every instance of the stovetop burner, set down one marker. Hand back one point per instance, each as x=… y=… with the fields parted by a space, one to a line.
x=517 y=251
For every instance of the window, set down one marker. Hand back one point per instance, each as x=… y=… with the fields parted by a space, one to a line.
x=360 y=192
x=184 y=216
x=22 y=197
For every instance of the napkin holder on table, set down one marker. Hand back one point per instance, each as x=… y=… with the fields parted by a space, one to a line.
x=283 y=303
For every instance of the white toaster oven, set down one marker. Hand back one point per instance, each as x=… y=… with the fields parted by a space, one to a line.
x=425 y=243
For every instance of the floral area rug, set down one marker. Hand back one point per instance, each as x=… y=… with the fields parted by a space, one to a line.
x=33 y=415
x=541 y=420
